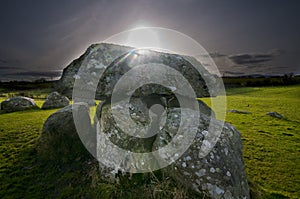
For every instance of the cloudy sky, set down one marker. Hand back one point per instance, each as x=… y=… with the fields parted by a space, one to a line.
x=40 y=38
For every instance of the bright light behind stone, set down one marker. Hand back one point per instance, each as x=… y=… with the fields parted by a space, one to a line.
x=142 y=37
x=164 y=40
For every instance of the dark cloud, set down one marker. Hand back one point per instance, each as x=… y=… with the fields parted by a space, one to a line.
x=47 y=35
x=3 y=61
x=216 y=55
x=232 y=73
x=255 y=58
x=250 y=58
x=10 y=68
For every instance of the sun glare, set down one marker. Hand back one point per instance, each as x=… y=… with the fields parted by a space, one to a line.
x=143 y=37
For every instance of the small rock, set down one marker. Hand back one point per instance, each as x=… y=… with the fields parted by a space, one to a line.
x=275 y=114
x=238 y=111
x=18 y=104
x=55 y=100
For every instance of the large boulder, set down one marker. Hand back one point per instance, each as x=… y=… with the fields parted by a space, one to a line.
x=60 y=141
x=147 y=118
x=114 y=60
x=55 y=100
x=143 y=112
x=152 y=66
x=18 y=104
x=220 y=173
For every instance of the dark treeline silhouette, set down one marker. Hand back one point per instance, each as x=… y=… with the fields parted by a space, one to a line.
x=260 y=80
x=25 y=85
x=229 y=81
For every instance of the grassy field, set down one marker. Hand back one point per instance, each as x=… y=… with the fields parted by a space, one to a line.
x=271 y=153
x=271 y=146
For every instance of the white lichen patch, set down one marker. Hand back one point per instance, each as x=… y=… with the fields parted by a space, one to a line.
x=187 y=158
x=205 y=133
x=226 y=151
x=76 y=76
x=201 y=172
x=219 y=190
x=228 y=173
x=206 y=144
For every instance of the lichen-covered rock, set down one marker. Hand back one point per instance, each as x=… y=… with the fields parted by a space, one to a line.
x=144 y=112
x=139 y=113
x=148 y=58
x=18 y=104
x=92 y=63
x=87 y=68
x=55 y=100
x=60 y=141
x=220 y=174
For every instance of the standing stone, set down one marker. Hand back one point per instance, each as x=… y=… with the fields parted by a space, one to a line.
x=211 y=169
x=60 y=141
x=18 y=104
x=220 y=173
x=55 y=100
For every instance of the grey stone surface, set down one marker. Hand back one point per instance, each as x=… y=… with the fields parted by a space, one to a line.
x=139 y=113
x=18 y=104
x=149 y=58
x=239 y=111
x=275 y=114
x=220 y=174
x=93 y=62
x=55 y=100
x=60 y=140
x=115 y=60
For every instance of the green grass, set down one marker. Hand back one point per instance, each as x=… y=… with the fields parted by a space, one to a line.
x=271 y=146
x=271 y=153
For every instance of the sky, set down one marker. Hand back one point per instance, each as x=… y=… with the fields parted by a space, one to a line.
x=40 y=38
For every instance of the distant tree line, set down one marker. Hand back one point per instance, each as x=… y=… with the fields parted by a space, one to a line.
x=287 y=79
